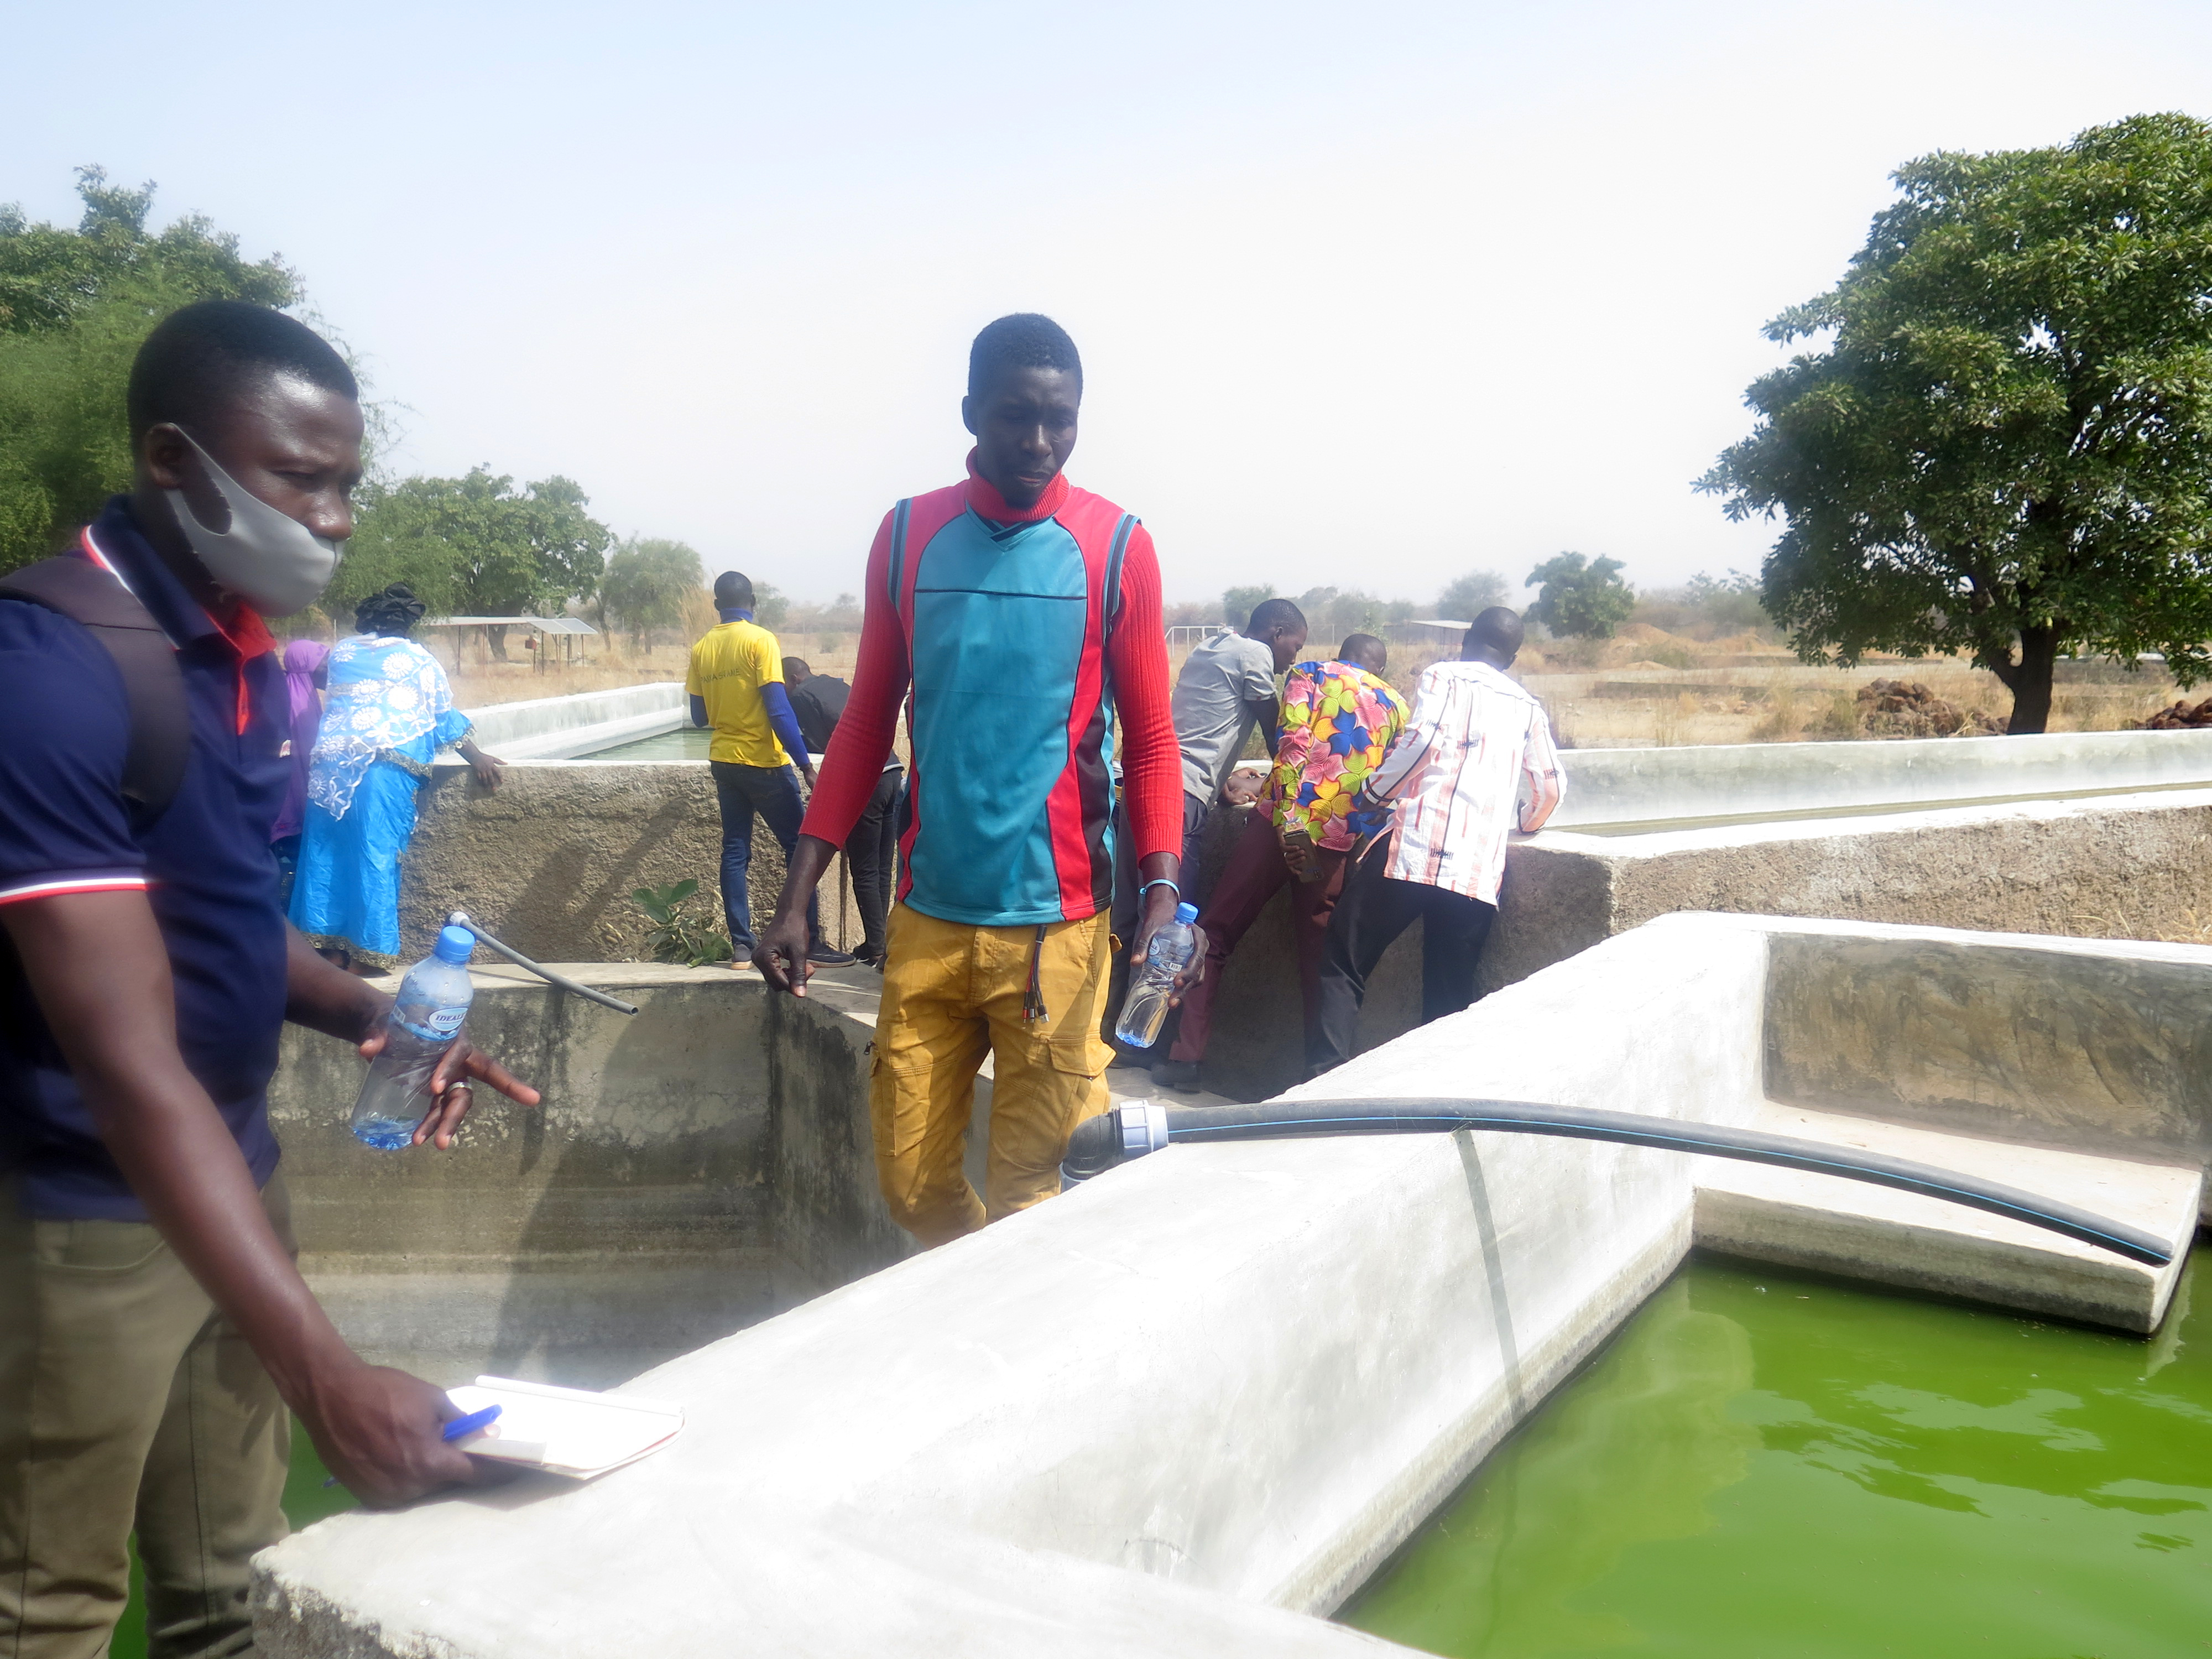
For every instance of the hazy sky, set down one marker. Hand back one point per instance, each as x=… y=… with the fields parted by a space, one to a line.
x=1367 y=296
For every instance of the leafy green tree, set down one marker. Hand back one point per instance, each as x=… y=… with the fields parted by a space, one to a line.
x=475 y=546
x=1331 y=613
x=2006 y=447
x=1577 y=595
x=645 y=585
x=74 y=306
x=1470 y=595
x=1236 y=605
x=770 y=605
x=1729 y=604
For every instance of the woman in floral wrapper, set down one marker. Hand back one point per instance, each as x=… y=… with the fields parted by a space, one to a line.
x=390 y=710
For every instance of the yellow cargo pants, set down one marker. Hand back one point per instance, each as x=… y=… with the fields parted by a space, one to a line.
x=953 y=994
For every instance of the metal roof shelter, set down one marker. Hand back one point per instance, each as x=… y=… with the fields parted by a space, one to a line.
x=541 y=634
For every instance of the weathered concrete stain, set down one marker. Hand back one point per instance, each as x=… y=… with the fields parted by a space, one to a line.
x=2048 y=1047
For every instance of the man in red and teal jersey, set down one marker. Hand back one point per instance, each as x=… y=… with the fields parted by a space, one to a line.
x=1023 y=614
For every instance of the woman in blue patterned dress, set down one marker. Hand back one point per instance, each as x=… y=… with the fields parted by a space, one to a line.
x=390 y=711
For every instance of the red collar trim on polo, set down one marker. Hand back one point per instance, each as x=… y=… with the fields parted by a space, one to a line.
x=242 y=631
x=984 y=497
x=248 y=637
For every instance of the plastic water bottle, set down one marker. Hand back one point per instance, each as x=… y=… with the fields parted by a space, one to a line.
x=425 y=1022
x=1146 y=1007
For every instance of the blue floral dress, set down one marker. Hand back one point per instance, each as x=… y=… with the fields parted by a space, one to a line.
x=390 y=710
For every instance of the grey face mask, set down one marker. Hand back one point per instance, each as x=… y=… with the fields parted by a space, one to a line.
x=268 y=559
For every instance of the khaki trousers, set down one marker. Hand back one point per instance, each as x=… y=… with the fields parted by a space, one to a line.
x=953 y=994
x=128 y=1403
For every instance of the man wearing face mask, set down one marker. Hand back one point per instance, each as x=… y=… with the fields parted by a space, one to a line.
x=153 y=1331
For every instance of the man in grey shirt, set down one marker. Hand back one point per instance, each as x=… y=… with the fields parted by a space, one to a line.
x=1227 y=686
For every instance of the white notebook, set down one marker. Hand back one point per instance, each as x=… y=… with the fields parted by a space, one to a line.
x=567 y=1431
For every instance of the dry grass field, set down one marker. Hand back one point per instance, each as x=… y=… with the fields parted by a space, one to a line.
x=1649 y=689
x=609 y=661
x=1644 y=689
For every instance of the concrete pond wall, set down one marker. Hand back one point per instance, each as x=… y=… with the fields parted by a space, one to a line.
x=1187 y=1405
x=694 y=1169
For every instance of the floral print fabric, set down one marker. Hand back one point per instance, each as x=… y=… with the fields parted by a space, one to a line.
x=385 y=696
x=1338 y=720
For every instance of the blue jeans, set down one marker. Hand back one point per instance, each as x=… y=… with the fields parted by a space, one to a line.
x=772 y=793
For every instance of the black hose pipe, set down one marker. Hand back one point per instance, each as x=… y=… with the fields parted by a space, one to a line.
x=1132 y=1130
x=561 y=982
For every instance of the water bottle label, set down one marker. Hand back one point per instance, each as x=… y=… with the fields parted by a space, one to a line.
x=436 y=1026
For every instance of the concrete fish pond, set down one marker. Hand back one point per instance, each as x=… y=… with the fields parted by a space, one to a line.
x=1765 y=1463
x=1194 y=1405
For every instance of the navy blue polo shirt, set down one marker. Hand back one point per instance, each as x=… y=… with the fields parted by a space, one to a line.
x=204 y=864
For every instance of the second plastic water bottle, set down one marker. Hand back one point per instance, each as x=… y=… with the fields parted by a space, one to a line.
x=1151 y=983
x=425 y=1022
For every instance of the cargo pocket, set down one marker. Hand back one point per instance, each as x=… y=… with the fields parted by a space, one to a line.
x=898 y=1102
x=1081 y=1053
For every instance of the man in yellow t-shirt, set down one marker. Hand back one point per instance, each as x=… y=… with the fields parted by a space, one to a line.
x=735 y=686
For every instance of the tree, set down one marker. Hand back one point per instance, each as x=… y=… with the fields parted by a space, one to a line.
x=2006 y=448
x=1580 y=596
x=74 y=306
x=1331 y=613
x=1237 y=604
x=770 y=605
x=645 y=585
x=1470 y=595
x=1729 y=604
x=473 y=546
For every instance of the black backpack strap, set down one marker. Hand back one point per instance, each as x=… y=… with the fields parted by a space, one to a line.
x=898 y=552
x=1109 y=598
x=153 y=685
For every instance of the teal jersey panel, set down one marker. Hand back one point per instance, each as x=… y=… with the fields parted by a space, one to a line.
x=998 y=628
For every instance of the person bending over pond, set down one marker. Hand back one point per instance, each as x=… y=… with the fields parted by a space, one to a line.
x=391 y=711
x=156 y=1338
x=1019 y=610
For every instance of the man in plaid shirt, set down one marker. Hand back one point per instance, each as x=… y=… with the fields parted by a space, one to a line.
x=1476 y=744
x=1340 y=720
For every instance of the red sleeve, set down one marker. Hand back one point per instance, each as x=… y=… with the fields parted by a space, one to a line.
x=862 y=741
x=1151 y=764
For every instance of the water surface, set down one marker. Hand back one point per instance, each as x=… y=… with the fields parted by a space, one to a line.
x=686 y=743
x=1769 y=1467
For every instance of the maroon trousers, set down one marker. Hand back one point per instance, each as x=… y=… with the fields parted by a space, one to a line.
x=1255 y=873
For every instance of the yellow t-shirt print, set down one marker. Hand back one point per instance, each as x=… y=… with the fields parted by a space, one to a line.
x=729 y=666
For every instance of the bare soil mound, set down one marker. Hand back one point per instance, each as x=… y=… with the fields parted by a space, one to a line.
x=2177 y=717
x=1906 y=708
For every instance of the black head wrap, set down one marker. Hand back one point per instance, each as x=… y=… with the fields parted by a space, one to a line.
x=394 y=610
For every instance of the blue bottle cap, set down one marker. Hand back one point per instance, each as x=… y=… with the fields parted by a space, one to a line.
x=454 y=945
x=1186 y=914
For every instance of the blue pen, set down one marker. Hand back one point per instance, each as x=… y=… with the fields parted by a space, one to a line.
x=456 y=1429
x=471 y=1423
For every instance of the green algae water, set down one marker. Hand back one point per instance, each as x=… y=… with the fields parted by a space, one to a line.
x=307 y=1500
x=1763 y=1466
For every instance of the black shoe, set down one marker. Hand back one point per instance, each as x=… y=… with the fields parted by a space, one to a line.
x=870 y=958
x=822 y=955
x=1138 y=1058
x=1180 y=1075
